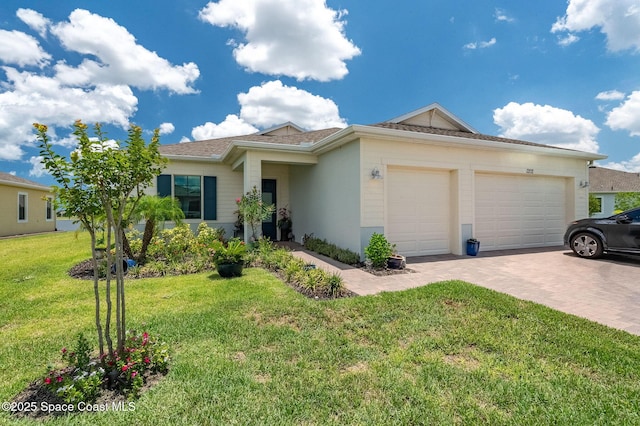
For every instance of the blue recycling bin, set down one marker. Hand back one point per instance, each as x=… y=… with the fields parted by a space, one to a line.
x=473 y=247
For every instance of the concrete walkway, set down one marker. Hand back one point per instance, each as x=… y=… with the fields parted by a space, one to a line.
x=605 y=290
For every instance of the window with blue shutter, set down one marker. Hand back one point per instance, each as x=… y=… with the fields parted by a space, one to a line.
x=164 y=186
x=210 y=198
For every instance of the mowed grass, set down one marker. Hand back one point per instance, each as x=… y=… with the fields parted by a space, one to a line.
x=252 y=351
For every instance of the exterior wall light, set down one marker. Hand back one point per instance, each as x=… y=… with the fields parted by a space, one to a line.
x=375 y=174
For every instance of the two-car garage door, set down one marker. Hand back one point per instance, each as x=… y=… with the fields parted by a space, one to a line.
x=516 y=211
x=511 y=211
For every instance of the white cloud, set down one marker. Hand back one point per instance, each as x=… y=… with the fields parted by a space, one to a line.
x=18 y=48
x=502 y=16
x=567 y=40
x=37 y=168
x=12 y=172
x=632 y=165
x=121 y=60
x=619 y=20
x=167 y=128
x=610 y=95
x=231 y=126
x=97 y=90
x=303 y=39
x=184 y=139
x=273 y=103
x=35 y=20
x=547 y=125
x=481 y=44
x=33 y=98
x=627 y=115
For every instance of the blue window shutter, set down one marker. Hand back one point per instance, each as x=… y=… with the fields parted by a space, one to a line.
x=164 y=186
x=210 y=198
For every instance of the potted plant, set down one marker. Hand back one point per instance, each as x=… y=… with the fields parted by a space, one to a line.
x=473 y=246
x=229 y=257
x=284 y=223
x=395 y=260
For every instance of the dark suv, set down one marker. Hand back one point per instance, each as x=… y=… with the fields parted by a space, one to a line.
x=619 y=233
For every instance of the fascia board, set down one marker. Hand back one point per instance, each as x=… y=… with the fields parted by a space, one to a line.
x=444 y=140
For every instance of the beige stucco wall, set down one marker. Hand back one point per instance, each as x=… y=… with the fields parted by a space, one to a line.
x=462 y=163
x=36 y=211
x=325 y=197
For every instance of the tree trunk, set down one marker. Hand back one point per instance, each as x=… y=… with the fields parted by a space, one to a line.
x=149 y=230
x=107 y=326
x=96 y=289
x=125 y=246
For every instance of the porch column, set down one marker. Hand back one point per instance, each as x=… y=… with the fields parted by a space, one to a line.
x=252 y=177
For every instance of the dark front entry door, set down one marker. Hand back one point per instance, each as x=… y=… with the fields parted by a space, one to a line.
x=269 y=228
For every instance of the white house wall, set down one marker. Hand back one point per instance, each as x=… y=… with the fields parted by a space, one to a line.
x=462 y=163
x=325 y=197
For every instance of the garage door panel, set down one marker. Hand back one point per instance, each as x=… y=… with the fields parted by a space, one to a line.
x=418 y=210
x=529 y=211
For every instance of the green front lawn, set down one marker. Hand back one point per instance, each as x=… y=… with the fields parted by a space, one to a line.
x=252 y=351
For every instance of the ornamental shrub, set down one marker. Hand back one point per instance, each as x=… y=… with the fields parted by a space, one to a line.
x=378 y=250
x=254 y=210
x=83 y=377
x=232 y=252
x=330 y=250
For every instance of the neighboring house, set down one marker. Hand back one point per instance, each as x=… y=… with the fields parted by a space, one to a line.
x=427 y=180
x=26 y=207
x=604 y=184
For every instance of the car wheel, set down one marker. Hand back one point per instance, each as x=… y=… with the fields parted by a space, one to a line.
x=586 y=245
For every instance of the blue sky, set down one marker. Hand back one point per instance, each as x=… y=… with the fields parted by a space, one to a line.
x=555 y=72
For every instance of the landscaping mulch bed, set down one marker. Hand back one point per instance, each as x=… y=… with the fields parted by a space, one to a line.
x=83 y=270
x=37 y=402
x=386 y=271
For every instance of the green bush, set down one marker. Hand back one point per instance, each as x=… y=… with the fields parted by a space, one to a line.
x=83 y=377
x=330 y=250
x=176 y=251
x=378 y=250
x=293 y=270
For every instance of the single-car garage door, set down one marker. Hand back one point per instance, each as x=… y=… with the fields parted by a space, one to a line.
x=516 y=211
x=418 y=210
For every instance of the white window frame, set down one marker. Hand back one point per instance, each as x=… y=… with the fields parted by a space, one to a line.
x=26 y=207
x=48 y=207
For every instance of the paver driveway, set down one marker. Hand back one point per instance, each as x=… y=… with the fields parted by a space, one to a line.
x=606 y=290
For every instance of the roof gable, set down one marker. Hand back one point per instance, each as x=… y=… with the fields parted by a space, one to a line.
x=284 y=129
x=609 y=180
x=433 y=115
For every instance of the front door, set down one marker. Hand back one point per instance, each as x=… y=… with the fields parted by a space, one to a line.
x=269 y=228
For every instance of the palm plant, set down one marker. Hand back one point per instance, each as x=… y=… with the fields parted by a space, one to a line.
x=155 y=210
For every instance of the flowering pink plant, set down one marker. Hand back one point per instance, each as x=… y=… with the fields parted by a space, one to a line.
x=83 y=378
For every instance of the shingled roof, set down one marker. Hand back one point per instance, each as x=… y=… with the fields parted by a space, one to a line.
x=609 y=180
x=216 y=147
x=9 y=179
x=459 y=134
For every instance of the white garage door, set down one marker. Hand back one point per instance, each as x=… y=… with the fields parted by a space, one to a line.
x=519 y=211
x=418 y=211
